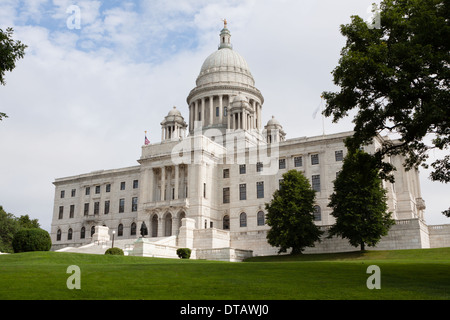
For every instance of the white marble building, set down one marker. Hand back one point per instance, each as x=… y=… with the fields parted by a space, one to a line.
x=205 y=185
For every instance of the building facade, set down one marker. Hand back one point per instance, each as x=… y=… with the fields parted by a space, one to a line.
x=205 y=185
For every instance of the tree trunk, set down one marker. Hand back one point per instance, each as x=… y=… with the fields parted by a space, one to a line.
x=362 y=246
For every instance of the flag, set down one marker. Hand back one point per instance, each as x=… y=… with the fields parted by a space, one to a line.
x=315 y=112
x=147 y=142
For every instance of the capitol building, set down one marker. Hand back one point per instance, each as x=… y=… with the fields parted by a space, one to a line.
x=205 y=185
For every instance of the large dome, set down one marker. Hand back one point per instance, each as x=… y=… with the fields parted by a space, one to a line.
x=225 y=66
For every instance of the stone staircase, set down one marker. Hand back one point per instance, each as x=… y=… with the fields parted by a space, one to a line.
x=127 y=245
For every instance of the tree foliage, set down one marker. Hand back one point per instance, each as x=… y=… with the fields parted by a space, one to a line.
x=290 y=214
x=31 y=239
x=397 y=78
x=10 y=225
x=10 y=52
x=359 y=201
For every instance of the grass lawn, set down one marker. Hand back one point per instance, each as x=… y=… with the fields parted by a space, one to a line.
x=405 y=274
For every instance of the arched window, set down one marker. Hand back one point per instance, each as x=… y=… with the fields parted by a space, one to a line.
x=92 y=230
x=133 y=229
x=83 y=233
x=120 y=230
x=261 y=218
x=155 y=225
x=69 y=234
x=317 y=213
x=58 y=235
x=226 y=223
x=168 y=225
x=243 y=220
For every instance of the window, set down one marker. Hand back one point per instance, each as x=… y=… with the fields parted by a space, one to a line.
x=120 y=230
x=61 y=211
x=260 y=218
x=217 y=111
x=108 y=187
x=260 y=189
x=243 y=220
x=282 y=164
x=86 y=209
x=88 y=191
x=83 y=233
x=339 y=155
x=134 y=204
x=96 y=207
x=133 y=229
x=280 y=182
x=97 y=189
x=122 y=186
x=226 y=195
x=58 y=235
x=226 y=173
x=298 y=161
x=69 y=234
x=92 y=230
x=106 y=206
x=72 y=211
x=317 y=213
x=315 y=158
x=121 y=205
x=226 y=223
x=73 y=192
x=204 y=190
x=225 y=110
x=242 y=169
x=63 y=192
x=243 y=191
x=316 y=182
x=135 y=184
x=259 y=167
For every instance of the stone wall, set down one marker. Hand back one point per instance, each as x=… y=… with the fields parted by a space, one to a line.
x=439 y=235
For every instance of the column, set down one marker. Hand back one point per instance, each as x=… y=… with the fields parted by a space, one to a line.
x=162 y=133
x=150 y=185
x=259 y=115
x=228 y=120
x=220 y=109
x=203 y=112
x=176 y=181
x=238 y=121
x=190 y=116
x=163 y=183
x=211 y=111
x=195 y=112
x=255 y=116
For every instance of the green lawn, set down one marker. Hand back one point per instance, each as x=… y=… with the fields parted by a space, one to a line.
x=405 y=274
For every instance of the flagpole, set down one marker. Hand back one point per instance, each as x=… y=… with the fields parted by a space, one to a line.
x=321 y=112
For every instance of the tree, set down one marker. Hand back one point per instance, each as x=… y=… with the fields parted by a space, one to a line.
x=10 y=225
x=290 y=214
x=359 y=201
x=34 y=239
x=397 y=78
x=10 y=51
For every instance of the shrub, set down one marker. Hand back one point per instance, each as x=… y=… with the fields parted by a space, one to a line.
x=34 y=239
x=114 y=251
x=184 y=253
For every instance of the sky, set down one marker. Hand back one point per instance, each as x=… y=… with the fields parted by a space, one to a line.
x=97 y=74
